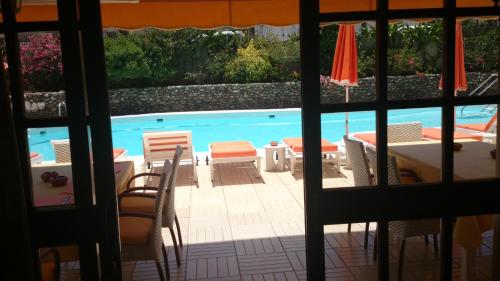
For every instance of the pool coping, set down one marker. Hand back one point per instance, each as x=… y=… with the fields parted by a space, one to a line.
x=292 y=109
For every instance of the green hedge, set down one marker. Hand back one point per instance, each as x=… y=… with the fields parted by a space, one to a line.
x=157 y=58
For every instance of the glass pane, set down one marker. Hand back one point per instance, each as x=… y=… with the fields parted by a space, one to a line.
x=421 y=4
x=328 y=6
x=473 y=247
x=347 y=256
x=32 y=11
x=51 y=172
x=347 y=63
x=480 y=52
x=474 y=3
x=60 y=263
x=414 y=140
x=43 y=81
x=475 y=142
x=414 y=249
x=414 y=59
x=338 y=166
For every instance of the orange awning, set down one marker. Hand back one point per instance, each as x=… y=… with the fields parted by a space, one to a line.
x=174 y=14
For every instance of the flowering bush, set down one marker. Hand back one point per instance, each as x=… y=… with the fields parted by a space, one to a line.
x=41 y=62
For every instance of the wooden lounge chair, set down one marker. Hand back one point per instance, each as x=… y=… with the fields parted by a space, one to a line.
x=489 y=127
x=36 y=158
x=63 y=153
x=435 y=134
x=487 y=130
x=295 y=150
x=159 y=146
x=408 y=132
x=231 y=152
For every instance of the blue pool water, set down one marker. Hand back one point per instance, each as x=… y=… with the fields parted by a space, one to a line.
x=259 y=127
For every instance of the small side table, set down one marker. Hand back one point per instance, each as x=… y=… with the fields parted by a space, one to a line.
x=275 y=157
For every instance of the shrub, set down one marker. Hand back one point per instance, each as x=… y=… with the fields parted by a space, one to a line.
x=126 y=63
x=41 y=62
x=284 y=56
x=249 y=65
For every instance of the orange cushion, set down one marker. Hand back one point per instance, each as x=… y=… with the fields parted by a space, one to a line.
x=296 y=144
x=480 y=127
x=370 y=138
x=135 y=230
x=435 y=134
x=137 y=204
x=232 y=149
x=34 y=154
x=473 y=127
x=117 y=152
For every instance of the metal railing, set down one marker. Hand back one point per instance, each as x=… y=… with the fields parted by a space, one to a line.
x=479 y=91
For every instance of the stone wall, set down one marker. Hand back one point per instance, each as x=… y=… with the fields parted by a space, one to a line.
x=245 y=96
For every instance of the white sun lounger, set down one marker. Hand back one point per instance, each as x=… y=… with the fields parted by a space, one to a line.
x=63 y=153
x=232 y=152
x=159 y=146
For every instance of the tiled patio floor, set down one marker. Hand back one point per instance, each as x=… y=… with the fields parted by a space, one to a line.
x=239 y=227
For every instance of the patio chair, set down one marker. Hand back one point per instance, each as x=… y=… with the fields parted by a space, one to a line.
x=36 y=158
x=232 y=152
x=63 y=152
x=159 y=146
x=294 y=150
x=397 y=132
x=403 y=229
x=132 y=200
x=140 y=232
x=360 y=171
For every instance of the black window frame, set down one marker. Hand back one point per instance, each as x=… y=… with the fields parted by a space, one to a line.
x=343 y=205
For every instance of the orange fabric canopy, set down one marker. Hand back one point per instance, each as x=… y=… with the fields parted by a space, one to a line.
x=174 y=14
x=345 y=60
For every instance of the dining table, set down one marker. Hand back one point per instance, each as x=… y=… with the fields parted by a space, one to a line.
x=46 y=194
x=472 y=161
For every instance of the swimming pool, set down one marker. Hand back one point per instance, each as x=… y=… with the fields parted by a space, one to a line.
x=258 y=126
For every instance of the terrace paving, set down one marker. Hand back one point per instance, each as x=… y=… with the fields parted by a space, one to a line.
x=240 y=227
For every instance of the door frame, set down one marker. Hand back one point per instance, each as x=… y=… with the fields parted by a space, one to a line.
x=379 y=204
x=92 y=222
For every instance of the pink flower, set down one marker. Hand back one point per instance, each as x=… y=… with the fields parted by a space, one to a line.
x=411 y=61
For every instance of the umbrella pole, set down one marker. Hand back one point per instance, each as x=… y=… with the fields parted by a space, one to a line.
x=347 y=160
x=347 y=113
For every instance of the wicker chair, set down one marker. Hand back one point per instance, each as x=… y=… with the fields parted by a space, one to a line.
x=129 y=202
x=360 y=171
x=140 y=232
x=403 y=229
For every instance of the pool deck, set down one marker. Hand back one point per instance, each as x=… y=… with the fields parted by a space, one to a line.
x=240 y=227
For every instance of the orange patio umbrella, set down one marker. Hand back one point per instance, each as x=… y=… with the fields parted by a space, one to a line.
x=345 y=62
x=460 y=77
